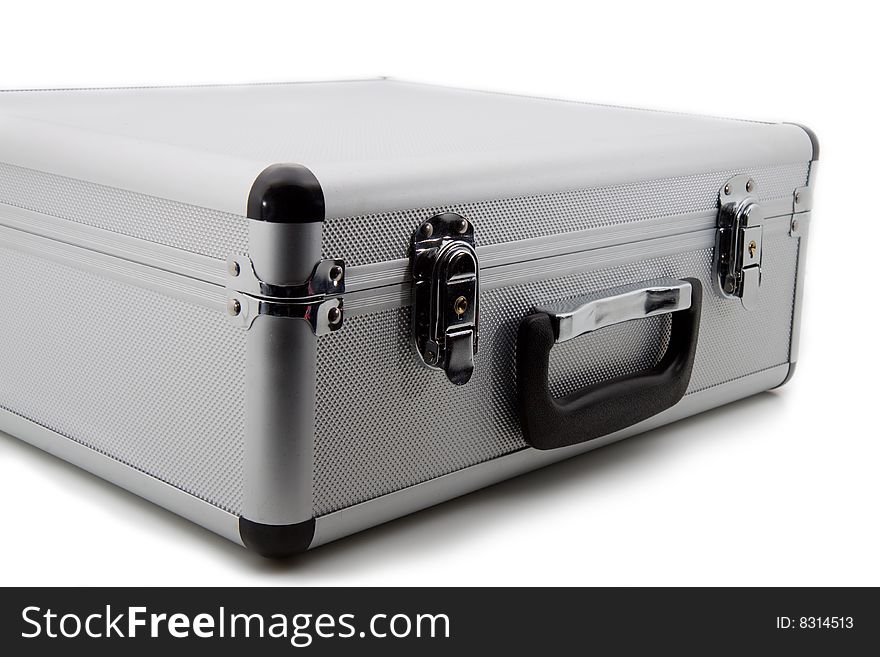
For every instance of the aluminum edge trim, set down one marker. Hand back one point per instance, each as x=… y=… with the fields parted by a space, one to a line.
x=140 y=483
x=398 y=295
x=124 y=247
x=181 y=287
x=800 y=278
x=391 y=272
x=353 y=519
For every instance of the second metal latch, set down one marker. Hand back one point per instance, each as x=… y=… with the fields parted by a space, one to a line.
x=738 y=241
x=446 y=291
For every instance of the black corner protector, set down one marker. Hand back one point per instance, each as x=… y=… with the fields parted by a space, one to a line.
x=286 y=194
x=814 y=140
x=791 y=368
x=276 y=541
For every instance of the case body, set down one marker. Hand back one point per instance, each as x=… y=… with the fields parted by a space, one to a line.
x=166 y=327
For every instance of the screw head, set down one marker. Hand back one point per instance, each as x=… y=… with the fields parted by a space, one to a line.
x=334 y=316
x=234 y=269
x=797 y=197
x=727 y=190
x=233 y=307
x=795 y=224
x=462 y=226
x=335 y=274
x=427 y=230
x=750 y=185
x=430 y=357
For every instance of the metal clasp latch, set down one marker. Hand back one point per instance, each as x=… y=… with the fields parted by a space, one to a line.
x=445 y=295
x=738 y=241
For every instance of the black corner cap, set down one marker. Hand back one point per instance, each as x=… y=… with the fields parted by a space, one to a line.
x=286 y=194
x=276 y=541
x=814 y=140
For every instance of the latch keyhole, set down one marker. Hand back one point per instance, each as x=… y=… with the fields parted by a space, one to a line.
x=445 y=295
x=753 y=247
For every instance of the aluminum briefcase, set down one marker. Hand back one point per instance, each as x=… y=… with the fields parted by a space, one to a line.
x=289 y=312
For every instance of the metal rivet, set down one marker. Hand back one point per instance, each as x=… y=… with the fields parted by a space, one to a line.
x=727 y=190
x=427 y=230
x=460 y=306
x=750 y=185
x=797 y=197
x=233 y=307
x=430 y=357
x=462 y=226
x=234 y=269
x=795 y=224
x=336 y=273
x=334 y=316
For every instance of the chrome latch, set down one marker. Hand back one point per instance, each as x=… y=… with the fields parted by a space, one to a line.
x=445 y=295
x=738 y=241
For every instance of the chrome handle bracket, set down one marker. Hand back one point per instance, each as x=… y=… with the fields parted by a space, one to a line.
x=574 y=317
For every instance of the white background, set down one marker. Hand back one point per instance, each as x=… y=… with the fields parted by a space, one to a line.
x=782 y=488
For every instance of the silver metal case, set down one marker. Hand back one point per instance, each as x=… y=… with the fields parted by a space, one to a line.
x=291 y=312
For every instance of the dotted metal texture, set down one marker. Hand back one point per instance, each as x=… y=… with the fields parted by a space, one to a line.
x=637 y=346
x=384 y=422
x=187 y=227
x=380 y=237
x=146 y=379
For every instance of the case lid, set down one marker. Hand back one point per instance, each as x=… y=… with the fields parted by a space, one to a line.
x=374 y=145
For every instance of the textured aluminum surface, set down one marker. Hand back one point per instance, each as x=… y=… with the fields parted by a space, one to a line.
x=629 y=348
x=388 y=507
x=395 y=424
x=186 y=227
x=144 y=378
x=138 y=482
x=380 y=237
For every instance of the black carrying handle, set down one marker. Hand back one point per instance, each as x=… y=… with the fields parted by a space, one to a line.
x=609 y=406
